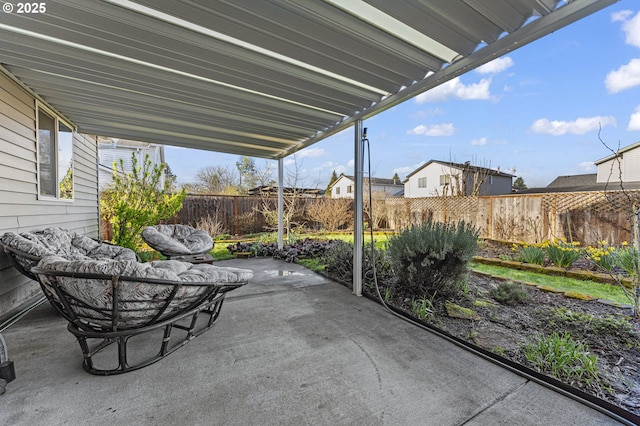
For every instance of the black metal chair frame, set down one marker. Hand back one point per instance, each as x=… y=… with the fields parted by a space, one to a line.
x=84 y=319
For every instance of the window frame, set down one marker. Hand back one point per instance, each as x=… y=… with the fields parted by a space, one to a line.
x=422 y=182
x=349 y=189
x=57 y=121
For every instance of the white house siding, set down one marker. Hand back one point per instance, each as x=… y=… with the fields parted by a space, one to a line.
x=610 y=171
x=123 y=150
x=20 y=209
x=342 y=183
x=632 y=165
x=493 y=185
x=432 y=172
x=628 y=168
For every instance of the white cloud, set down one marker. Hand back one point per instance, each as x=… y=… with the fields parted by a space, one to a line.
x=630 y=26
x=445 y=129
x=479 y=142
x=495 y=66
x=622 y=15
x=625 y=77
x=351 y=163
x=634 y=121
x=311 y=152
x=579 y=126
x=587 y=166
x=455 y=89
x=403 y=171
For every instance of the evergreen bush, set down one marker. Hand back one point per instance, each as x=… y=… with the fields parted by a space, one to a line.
x=433 y=258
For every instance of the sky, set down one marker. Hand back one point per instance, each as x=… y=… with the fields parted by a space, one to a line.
x=548 y=109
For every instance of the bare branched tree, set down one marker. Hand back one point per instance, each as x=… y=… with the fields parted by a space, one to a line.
x=332 y=214
x=293 y=207
x=214 y=180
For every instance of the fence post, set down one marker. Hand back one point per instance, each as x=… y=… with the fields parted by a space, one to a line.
x=235 y=215
x=491 y=218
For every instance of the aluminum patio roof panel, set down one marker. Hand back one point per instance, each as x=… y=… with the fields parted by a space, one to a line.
x=257 y=77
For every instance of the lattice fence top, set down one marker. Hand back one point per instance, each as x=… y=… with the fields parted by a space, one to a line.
x=468 y=204
x=611 y=201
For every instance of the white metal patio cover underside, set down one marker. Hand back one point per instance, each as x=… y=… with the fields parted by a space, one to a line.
x=261 y=78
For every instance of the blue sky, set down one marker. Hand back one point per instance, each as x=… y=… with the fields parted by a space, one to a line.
x=536 y=110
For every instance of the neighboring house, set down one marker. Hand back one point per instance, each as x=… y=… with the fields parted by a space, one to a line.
x=112 y=150
x=343 y=187
x=437 y=178
x=48 y=177
x=624 y=163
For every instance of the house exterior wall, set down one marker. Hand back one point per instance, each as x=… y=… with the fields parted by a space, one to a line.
x=347 y=187
x=493 y=185
x=610 y=171
x=432 y=173
x=341 y=186
x=109 y=153
x=20 y=208
x=628 y=167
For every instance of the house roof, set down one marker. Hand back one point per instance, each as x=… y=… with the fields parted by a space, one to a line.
x=273 y=190
x=257 y=78
x=373 y=180
x=617 y=153
x=574 y=181
x=461 y=166
x=579 y=183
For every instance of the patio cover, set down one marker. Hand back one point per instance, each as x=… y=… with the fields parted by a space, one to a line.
x=261 y=78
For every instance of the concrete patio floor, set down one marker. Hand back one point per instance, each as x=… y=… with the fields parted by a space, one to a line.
x=290 y=348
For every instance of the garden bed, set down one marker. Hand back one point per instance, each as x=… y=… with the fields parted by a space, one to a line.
x=607 y=331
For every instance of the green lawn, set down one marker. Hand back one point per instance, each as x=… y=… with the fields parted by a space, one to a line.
x=591 y=288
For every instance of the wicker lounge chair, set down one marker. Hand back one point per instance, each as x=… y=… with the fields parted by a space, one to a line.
x=26 y=249
x=181 y=242
x=127 y=315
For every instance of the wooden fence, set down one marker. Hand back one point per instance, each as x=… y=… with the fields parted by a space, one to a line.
x=586 y=217
x=238 y=214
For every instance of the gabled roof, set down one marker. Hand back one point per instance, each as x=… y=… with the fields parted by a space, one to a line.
x=461 y=166
x=254 y=77
x=618 y=153
x=273 y=190
x=373 y=181
x=580 y=183
x=574 y=181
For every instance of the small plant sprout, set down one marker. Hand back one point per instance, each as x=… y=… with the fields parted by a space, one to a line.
x=423 y=307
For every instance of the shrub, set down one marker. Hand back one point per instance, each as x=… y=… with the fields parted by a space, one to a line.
x=563 y=254
x=433 y=257
x=339 y=261
x=212 y=224
x=510 y=293
x=331 y=214
x=135 y=200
